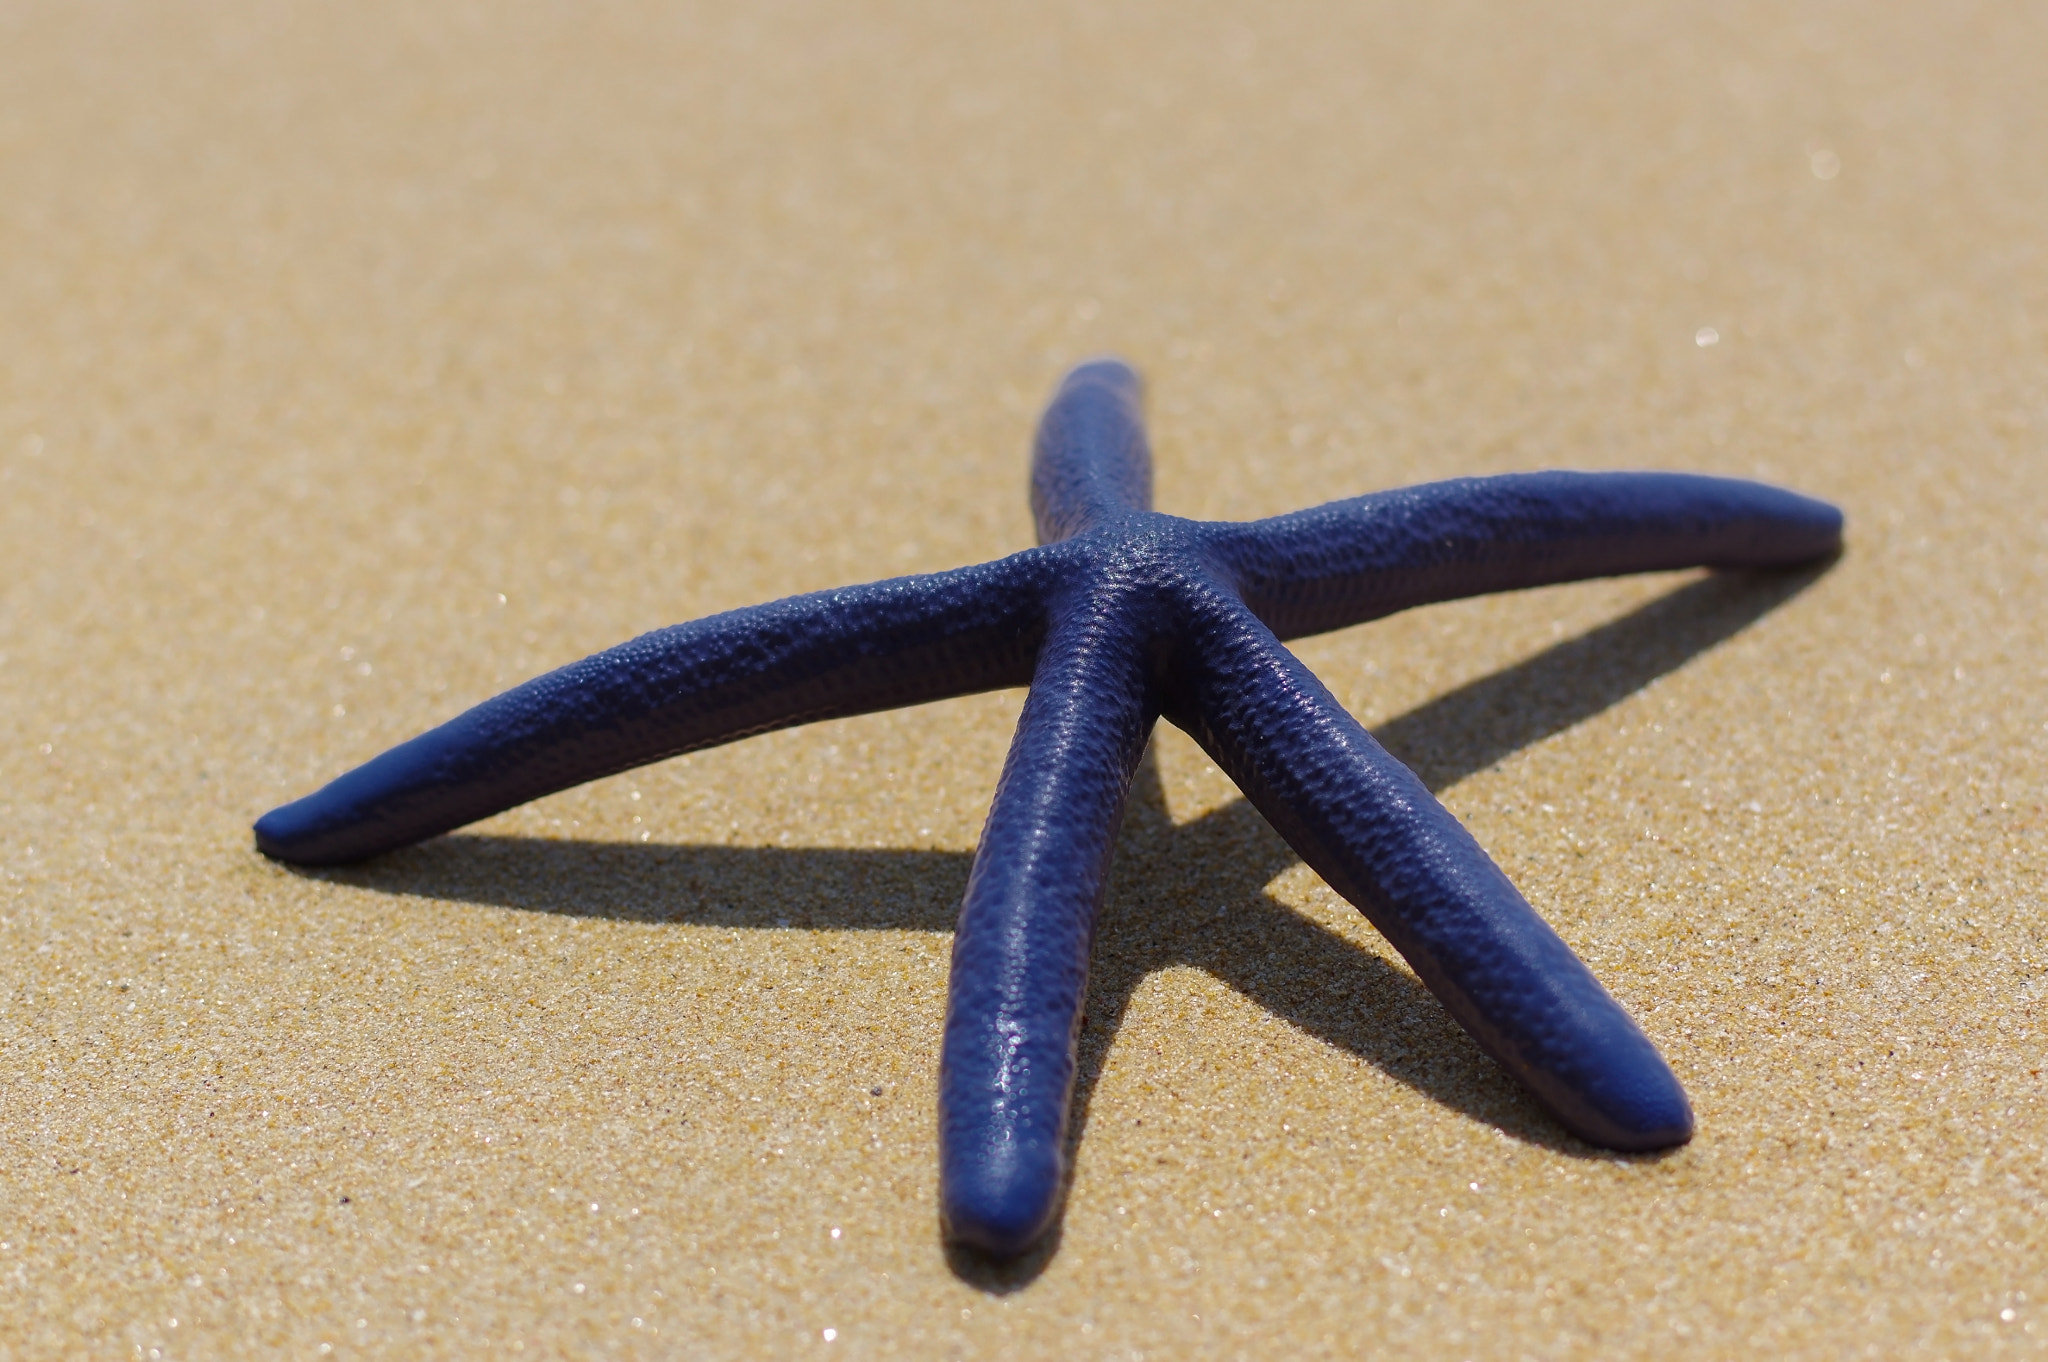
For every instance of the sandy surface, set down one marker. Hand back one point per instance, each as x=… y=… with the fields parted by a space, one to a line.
x=360 y=360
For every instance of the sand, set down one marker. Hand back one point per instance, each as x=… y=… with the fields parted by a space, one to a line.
x=361 y=360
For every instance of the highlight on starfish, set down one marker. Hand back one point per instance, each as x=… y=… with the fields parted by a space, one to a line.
x=1119 y=617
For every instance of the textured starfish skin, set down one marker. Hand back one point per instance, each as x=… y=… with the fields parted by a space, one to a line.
x=1119 y=617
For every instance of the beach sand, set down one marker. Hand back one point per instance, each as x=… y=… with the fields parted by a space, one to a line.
x=362 y=360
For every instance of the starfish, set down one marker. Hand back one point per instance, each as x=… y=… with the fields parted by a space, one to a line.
x=1120 y=616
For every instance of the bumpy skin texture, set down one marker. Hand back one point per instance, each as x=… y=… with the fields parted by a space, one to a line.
x=1120 y=616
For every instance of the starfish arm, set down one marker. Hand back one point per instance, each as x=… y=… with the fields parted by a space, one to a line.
x=1377 y=836
x=825 y=655
x=1356 y=560
x=1020 y=956
x=1091 y=463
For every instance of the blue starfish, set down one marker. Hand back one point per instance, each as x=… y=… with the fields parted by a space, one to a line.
x=1119 y=617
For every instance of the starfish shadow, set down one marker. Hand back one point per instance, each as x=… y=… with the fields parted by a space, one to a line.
x=1189 y=894
x=1467 y=730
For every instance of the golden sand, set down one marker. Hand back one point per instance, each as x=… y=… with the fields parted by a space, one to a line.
x=359 y=360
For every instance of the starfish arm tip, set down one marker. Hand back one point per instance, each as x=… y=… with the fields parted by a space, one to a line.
x=1657 y=1116
x=367 y=810
x=1608 y=1085
x=274 y=833
x=1001 y=1202
x=277 y=832
x=1090 y=463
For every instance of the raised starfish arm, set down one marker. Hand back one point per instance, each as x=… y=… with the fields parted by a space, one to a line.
x=1091 y=462
x=1377 y=836
x=820 y=656
x=1356 y=560
x=1020 y=955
